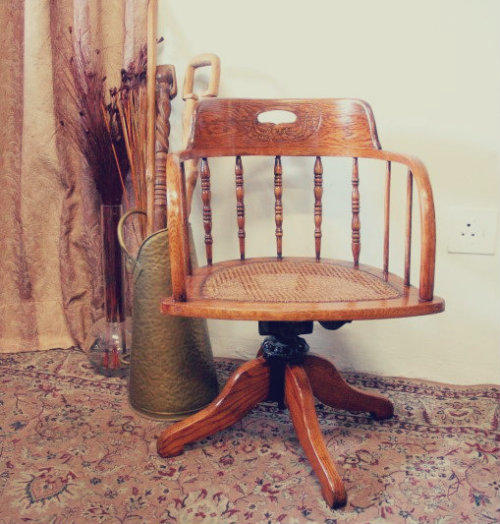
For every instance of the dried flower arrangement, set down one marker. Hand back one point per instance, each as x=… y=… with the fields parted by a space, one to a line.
x=108 y=127
x=92 y=127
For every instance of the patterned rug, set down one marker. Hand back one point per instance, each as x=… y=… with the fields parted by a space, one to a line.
x=72 y=451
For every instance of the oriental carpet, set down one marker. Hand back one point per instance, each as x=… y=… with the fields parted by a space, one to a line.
x=73 y=451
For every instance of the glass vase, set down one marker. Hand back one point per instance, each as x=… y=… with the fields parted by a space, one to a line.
x=109 y=353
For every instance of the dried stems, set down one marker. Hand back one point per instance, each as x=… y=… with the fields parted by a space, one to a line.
x=92 y=125
x=130 y=101
x=109 y=127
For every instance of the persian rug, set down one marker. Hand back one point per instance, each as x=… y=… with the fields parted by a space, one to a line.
x=73 y=451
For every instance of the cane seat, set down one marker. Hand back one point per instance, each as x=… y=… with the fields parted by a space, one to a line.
x=294 y=280
x=266 y=287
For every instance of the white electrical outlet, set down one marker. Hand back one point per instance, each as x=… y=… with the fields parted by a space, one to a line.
x=472 y=230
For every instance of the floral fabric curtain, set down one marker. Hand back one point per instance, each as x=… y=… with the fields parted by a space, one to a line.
x=50 y=284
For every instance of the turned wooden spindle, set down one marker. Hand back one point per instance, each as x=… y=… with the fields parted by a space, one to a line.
x=207 y=211
x=387 y=212
x=355 y=224
x=278 y=206
x=318 y=208
x=409 y=213
x=240 y=205
x=165 y=90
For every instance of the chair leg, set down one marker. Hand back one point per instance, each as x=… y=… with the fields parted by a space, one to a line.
x=248 y=386
x=300 y=402
x=330 y=387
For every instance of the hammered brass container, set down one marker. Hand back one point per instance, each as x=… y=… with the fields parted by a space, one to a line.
x=172 y=372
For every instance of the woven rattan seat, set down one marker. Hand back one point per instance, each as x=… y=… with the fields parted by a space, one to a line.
x=267 y=289
x=294 y=280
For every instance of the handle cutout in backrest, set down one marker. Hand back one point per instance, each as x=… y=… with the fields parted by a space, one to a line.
x=277 y=116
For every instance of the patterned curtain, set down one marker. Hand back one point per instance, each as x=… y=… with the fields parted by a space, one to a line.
x=50 y=284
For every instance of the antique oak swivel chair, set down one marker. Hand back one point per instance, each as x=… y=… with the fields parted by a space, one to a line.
x=286 y=294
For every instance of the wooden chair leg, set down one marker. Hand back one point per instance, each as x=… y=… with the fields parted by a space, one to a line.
x=248 y=386
x=300 y=401
x=330 y=387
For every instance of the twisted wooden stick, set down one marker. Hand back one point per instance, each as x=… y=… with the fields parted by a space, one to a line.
x=166 y=89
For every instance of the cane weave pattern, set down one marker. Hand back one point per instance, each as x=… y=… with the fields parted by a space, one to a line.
x=295 y=281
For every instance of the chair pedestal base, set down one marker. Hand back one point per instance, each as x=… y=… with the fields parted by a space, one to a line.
x=294 y=383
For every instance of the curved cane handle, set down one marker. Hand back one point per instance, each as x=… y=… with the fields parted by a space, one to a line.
x=206 y=59
x=119 y=231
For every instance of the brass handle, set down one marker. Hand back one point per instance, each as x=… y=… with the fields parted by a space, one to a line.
x=119 y=228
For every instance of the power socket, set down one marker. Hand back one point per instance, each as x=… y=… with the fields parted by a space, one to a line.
x=472 y=230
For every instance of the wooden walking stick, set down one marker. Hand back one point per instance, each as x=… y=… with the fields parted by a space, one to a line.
x=166 y=89
x=190 y=97
x=152 y=23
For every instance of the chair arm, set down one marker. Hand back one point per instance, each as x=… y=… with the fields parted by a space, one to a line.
x=176 y=224
x=427 y=216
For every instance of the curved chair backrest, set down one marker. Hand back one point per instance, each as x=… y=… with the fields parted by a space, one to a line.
x=232 y=126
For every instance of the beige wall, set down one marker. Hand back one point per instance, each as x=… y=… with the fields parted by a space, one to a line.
x=430 y=70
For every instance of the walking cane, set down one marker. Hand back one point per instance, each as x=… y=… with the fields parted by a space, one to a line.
x=190 y=97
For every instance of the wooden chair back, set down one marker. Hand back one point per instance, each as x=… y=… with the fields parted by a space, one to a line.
x=230 y=127
x=324 y=127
